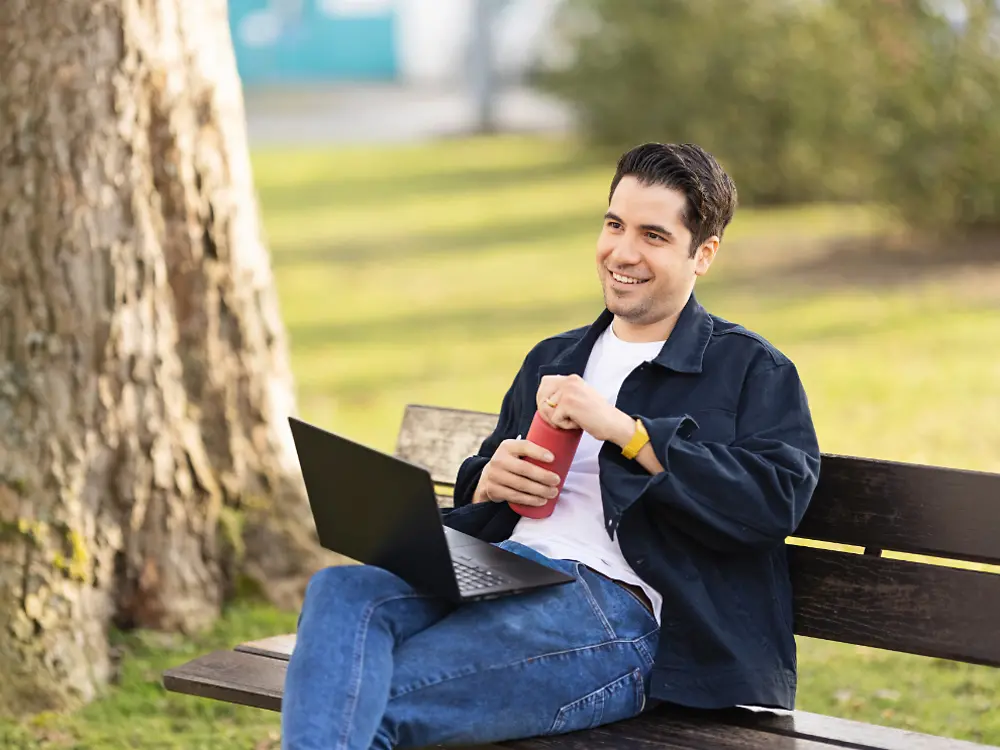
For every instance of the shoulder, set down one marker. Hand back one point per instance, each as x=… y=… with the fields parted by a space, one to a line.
x=549 y=348
x=736 y=340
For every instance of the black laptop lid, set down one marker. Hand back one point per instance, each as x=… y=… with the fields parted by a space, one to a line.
x=373 y=507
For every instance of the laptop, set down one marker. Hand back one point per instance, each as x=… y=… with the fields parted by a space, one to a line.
x=381 y=510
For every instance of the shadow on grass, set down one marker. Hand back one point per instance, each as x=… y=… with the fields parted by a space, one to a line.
x=463 y=240
x=870 y=262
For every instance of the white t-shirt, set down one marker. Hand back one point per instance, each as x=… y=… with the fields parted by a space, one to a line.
x=576 y=528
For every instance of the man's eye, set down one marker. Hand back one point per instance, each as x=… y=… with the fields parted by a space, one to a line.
x=654 y=236
x=614 y=225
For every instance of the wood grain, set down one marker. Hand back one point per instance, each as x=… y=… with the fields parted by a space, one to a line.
x=848 y=733
x=898 y=605
x=275 y=647
x=906 y=507
x=440 y=439
x=690 y=723
x=233 y=677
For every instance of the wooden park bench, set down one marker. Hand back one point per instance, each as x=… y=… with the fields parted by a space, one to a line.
x=861 y=597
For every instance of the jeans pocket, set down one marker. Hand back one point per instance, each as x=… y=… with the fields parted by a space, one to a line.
x=621 y=699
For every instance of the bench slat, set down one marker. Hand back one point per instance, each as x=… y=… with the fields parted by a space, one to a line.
x=726 y=738
x=906 y=507
x=855 y=733
x=233 y=677
x=675 y=732
x=895 y=604
x=440 y=439
x=714 y=728
x=928 y=510
x=275 y=647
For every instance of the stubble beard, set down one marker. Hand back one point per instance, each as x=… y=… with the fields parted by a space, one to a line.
x=632 y=311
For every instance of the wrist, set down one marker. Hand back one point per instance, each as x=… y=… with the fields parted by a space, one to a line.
x=623 y=430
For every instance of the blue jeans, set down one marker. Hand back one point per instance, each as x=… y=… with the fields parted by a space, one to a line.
x=379 y=665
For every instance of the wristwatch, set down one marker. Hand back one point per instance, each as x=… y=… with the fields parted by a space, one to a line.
x=639 y=438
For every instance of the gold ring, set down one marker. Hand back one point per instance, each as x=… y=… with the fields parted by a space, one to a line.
x=551 y=403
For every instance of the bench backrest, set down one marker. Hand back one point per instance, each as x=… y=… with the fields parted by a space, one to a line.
x=867 y=595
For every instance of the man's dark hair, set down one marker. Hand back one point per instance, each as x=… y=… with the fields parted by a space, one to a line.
x=710 y=192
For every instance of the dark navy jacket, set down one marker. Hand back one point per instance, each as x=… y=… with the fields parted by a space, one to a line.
x=728 y=419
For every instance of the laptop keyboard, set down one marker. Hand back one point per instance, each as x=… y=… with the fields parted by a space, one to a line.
x=472 y=579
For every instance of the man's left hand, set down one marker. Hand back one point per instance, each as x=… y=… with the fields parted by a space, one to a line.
x=569 y=402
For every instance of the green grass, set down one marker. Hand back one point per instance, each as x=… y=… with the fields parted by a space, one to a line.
x=139 y=713
x=423 y=274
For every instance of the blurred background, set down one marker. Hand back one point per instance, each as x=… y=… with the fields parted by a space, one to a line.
x=432 y=176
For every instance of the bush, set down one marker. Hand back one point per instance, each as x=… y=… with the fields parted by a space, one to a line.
x=939 y=117
x=801 y=101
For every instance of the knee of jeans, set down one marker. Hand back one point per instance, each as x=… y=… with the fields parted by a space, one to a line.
x=343 y=584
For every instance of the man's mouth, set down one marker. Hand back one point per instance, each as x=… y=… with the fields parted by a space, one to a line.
x=622 y=279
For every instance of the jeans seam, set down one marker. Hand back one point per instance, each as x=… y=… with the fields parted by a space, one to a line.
x=633 y=676
x=508 y=665
x=640 y=643
x=359 y=648
x=593 y=603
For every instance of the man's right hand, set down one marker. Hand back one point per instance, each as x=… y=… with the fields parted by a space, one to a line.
x=508 y=478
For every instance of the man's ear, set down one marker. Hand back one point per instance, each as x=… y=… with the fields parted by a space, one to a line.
x=705 y=254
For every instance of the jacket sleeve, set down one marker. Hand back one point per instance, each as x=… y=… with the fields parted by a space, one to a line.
x=729 y=497
x=468 y=517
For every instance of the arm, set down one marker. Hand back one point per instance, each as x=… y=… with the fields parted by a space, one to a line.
x=752 y=493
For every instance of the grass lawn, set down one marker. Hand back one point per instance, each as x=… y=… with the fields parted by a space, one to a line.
x=424 y=274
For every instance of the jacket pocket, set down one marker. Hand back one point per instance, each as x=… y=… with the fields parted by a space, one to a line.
x=621 y=699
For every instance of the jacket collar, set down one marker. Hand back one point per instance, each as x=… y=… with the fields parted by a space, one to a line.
x=683 y=351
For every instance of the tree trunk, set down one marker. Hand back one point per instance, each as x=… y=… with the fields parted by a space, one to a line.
x=144 y=377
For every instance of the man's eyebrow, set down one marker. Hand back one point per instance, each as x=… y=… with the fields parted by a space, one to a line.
x=611 y=216
x=657 y=229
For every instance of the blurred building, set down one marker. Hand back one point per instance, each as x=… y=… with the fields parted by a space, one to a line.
x=425 y=42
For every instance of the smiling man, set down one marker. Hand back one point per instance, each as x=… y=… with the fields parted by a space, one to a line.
x=698 y=458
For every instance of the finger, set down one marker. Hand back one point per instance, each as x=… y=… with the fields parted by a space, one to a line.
x=510 y=482
x=547 y=406
x=522 y=483
x=531 y=471
x=521 y=499
x=525 y=448
x=561 y=418
x=548 y=389
x=547 y=402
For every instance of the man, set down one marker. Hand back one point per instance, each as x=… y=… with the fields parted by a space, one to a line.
x=698 y=458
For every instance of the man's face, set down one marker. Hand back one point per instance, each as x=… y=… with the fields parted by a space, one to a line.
x=644 y=257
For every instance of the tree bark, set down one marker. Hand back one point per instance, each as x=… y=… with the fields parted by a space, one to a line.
x=145 y=459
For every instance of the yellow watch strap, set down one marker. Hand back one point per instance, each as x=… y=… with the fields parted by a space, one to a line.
x=639 y=438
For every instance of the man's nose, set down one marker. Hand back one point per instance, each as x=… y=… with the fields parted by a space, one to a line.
x=625 y=252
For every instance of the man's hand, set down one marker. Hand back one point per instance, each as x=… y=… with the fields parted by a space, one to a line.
x=569 y=402
x=509 y=478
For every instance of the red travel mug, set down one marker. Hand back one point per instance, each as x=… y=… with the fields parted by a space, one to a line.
x=562 y=444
